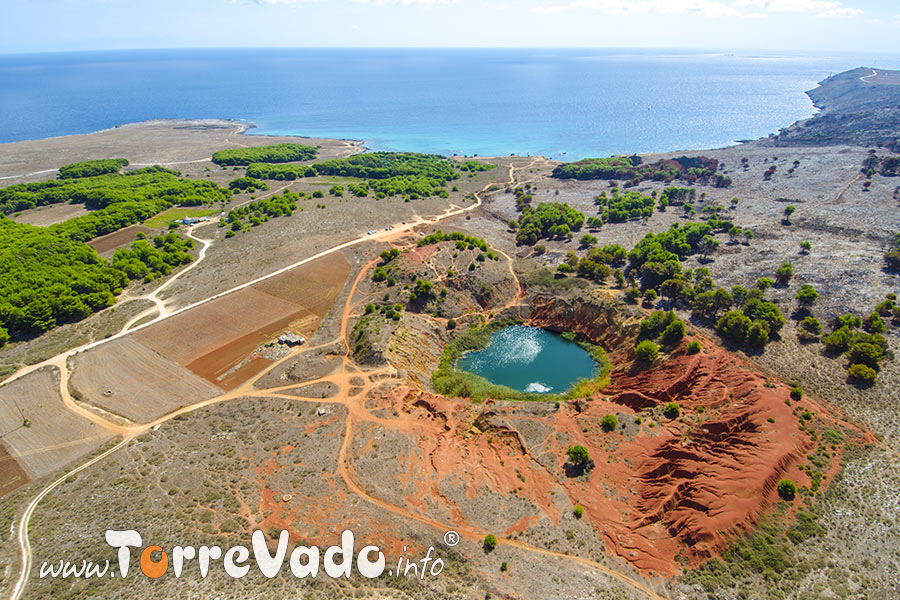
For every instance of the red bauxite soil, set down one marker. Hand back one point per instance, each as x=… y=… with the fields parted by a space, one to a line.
x=660 y=489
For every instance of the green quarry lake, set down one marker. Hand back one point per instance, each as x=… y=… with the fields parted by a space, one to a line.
x=529 y=359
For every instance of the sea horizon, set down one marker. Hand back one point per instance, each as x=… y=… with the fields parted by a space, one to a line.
x=563 y=103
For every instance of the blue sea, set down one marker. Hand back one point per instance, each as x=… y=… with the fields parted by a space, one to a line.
x=566 y=104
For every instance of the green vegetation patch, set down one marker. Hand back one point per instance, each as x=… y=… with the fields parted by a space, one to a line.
x=47 y=279
x=699 y=169
x=762 y=564
x=258 y=212
x=149 y=261
x=277 y=153
x=115 y=200
x=548 y=220
x=92 y=168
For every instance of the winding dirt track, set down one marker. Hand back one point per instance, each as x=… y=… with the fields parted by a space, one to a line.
x=356 y=410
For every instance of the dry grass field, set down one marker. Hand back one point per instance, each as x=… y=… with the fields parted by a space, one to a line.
x=129 y=379
x=44 y=216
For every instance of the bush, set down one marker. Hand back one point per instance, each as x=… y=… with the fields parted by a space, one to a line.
x=578 y=511
x=646 y=351
x=451 y=324
x=811 y=325
x=673 y=333
x=694 y=347
x=578 y=455
x=865 y=354
x=787 y=489
x=490 y=542
x=609 y=422
x=672 y=410
x=874 y=324
x=796 y=392
x=784 y=273
x=862 y=373
x=807 y=294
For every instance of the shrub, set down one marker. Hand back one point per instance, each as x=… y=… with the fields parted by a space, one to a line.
x=672 y=410
x=807 y=294
x=784 y=273
x=811 y=325
x=764 y=283
x=758 y=334
x=578 y=511
x=92 y=168
x=787 y=489
x=734 y=326
x=646 y=351
x=694 y=347
x=796 y=392
x=578 y=454
x=490 y=542
x=504 y=567
x=865 y=354
x=862 y=373
x=874 y=324
x=609 y=422
x=673 y=333
x=451 y=324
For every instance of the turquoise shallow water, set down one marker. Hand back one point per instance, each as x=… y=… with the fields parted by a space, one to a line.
x=529 y=359
x=565 y=104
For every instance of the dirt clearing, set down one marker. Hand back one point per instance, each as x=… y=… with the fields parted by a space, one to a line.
x=117 y=239
x=44 y=216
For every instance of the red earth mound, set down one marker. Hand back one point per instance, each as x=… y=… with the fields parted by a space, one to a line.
x=662 y=491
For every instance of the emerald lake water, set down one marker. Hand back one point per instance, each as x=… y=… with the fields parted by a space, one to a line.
x=529 y=359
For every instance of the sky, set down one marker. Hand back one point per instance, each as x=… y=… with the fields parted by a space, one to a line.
x=859 y=26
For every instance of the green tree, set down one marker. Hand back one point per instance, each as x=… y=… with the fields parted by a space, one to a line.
x=578 y=455
x=694 y=347
x=874 y=324
x=646 y=351
x=609 y=422
x=764 y=283
x=862 y=373
x=672 y=410
x=490 y=543
x=578 y=511
x=807 y=294
x=784 y=273
x=787 y=489
x=673 y=333
x=866 y=354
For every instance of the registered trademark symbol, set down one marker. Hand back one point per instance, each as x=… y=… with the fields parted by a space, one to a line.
x=451 y=538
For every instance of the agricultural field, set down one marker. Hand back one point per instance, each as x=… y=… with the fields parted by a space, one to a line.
x=54 y=436
x=128 y=379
